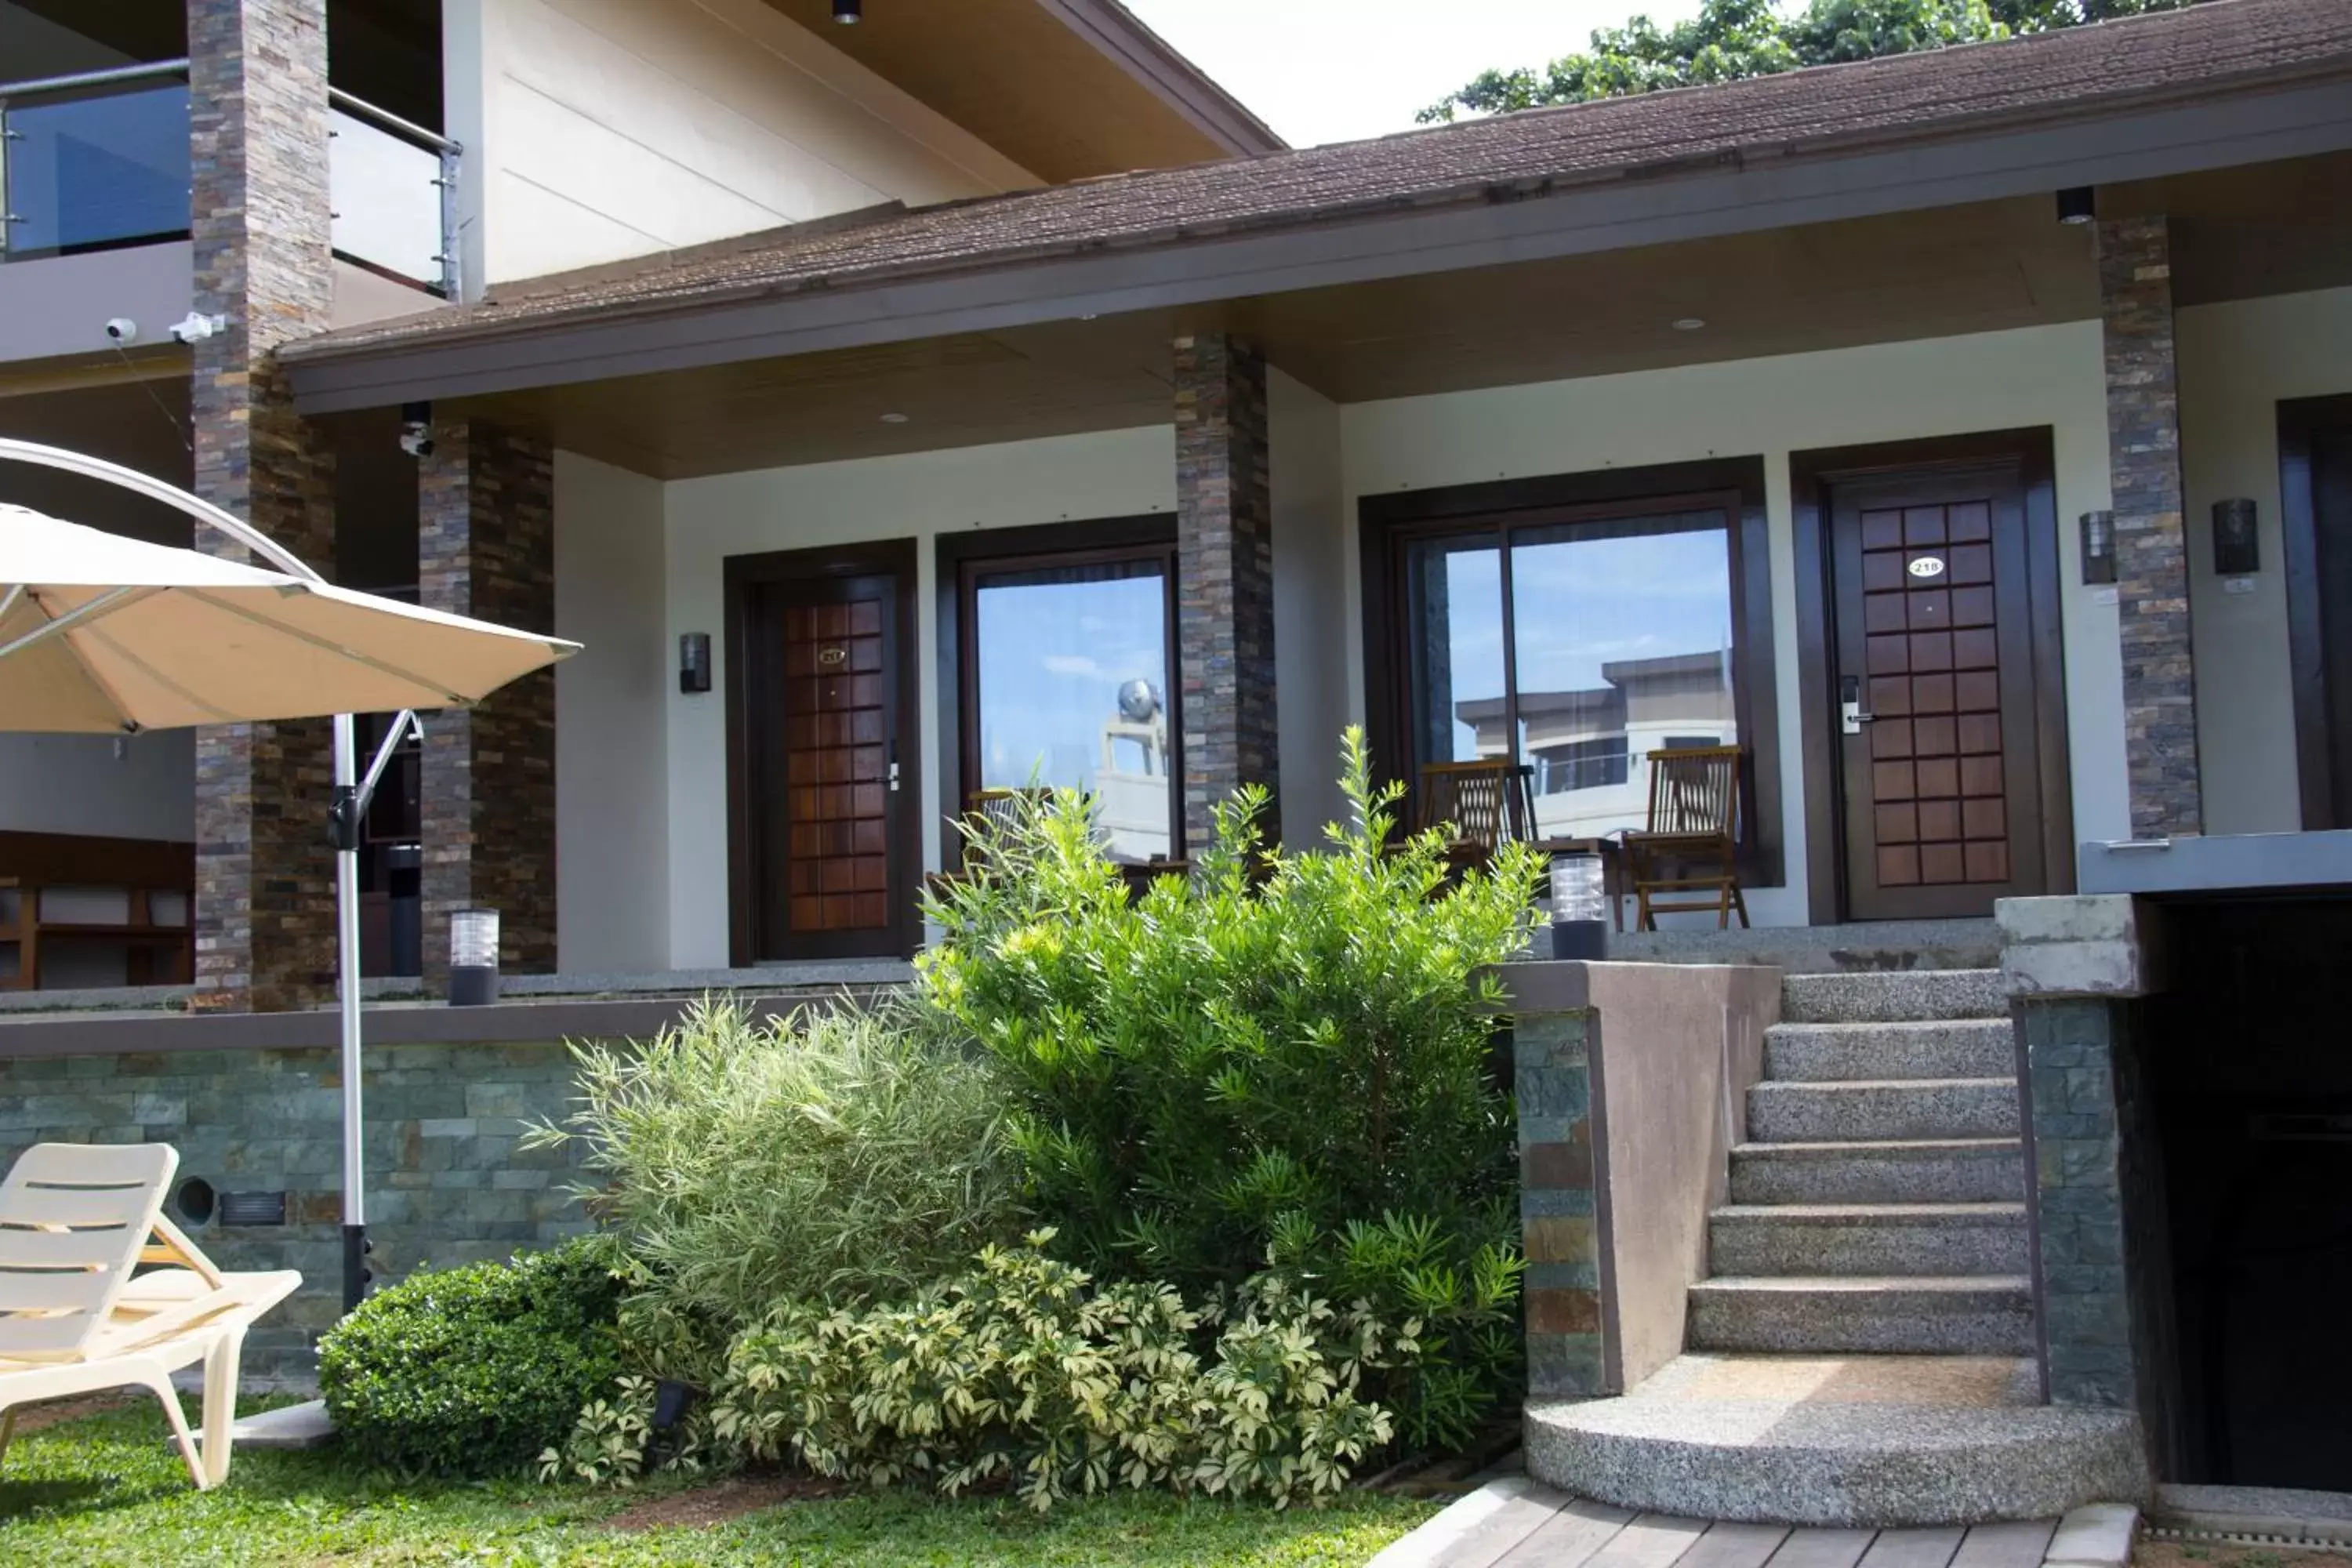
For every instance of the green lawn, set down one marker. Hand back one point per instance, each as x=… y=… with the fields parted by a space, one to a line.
x=108 y=1489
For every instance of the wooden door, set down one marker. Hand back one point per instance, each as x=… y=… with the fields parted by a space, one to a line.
x=830 y=791
x=1933 y=701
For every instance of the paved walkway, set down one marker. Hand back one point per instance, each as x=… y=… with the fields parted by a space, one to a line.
x=1520 y=1524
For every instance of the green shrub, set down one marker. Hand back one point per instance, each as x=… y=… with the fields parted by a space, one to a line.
x=1021 y=1370
x=473 y=1371
x=836 y=1157
x=1283 y=1058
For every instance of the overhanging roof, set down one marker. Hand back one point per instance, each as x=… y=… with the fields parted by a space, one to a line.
x=1066 y=89
x=2230 y=82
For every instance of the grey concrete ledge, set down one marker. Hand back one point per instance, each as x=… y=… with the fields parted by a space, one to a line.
x=1566 y=985
x=385 y=1024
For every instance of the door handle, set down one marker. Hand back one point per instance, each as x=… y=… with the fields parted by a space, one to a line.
x=1850 y=714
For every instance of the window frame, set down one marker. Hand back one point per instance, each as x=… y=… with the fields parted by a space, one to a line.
x=964 y=559
x=1390 y=524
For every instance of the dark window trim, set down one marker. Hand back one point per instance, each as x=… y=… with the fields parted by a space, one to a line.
x=2299 y=419
x=898 y=557
x=1736 y=485
x=1810 y=474
x=963 y=556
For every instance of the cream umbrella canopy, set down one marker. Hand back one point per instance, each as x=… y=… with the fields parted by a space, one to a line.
x=101 y=633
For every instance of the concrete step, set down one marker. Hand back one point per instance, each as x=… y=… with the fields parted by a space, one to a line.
x=1867 y=1240
x=1938 y=1171
x=1867 y=1110
x=1878 y=1315
x=1893 y=996
x=1863 y=1441
x=1941 y=1047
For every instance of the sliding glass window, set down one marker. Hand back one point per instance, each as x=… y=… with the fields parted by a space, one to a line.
x=1064 y=679
x=1575 y=645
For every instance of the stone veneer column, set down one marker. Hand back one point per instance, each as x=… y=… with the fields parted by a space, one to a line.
x=485 y=547
x=1552 y=1073
x=2151 y=553
x=1224 y=581
x=2078 y=970
x=265 y=920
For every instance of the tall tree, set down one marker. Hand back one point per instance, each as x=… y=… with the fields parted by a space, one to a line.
x=1733 y=39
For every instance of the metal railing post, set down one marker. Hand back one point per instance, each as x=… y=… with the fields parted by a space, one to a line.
x=7 y=217
x=452 y=257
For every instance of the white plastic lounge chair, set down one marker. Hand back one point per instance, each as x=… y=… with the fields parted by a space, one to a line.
x=74 y=1222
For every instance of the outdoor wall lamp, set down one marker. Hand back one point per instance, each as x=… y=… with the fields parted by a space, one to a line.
x=473 y=957
x=2098 y=547
x=2077 y=205
x=694 y=663
x=1580 y=907
x=2237 y=544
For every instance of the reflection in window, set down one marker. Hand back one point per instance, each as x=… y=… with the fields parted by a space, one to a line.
x=1616 y=634
x=1072 y=691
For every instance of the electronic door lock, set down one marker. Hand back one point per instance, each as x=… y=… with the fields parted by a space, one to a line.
x=1850 y=714
x=894 y=778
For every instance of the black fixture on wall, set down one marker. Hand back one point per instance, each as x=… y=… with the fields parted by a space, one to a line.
x=2098 y=547
x=2237 y=540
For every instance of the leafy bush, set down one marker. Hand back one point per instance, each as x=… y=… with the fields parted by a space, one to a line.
x=1282 y=1058
x=1021 y=1370
x=832 y=1157
x=473 y=1371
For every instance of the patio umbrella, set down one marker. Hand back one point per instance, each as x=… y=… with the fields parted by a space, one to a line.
x=100 y=633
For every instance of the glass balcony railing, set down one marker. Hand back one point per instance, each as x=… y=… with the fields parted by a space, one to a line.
x=95 y=160
x=101 y=159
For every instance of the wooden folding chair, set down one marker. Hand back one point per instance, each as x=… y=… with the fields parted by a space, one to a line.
x=1477 y=799
x=1692 y=842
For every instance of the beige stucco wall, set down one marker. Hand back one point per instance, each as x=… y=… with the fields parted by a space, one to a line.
x=596 y=129
x=2050 y=377
x=2237 y=361
x=612 y=781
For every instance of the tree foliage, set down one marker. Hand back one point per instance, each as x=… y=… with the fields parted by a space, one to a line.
x=1729 y=40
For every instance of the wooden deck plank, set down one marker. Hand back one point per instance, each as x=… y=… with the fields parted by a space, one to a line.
x=1736 y=1546
x=1651 y=1541
x=1817 y=1548
x=1918 y=1548
x=1505 y=1528
x=1569 y=1538
x=2005 y=1545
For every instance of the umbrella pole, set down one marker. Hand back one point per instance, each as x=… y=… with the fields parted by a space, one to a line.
x=347 y=971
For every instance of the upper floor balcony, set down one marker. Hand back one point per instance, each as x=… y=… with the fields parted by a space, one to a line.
x=97 y=163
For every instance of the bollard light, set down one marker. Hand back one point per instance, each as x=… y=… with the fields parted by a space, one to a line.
x=1580 y=907
x=473 y=957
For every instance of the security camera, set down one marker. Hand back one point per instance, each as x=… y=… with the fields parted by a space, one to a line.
x=416 y=429
x=196 y=327
x=123 y=330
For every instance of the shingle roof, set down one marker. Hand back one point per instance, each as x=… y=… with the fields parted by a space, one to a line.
x=1827 y=109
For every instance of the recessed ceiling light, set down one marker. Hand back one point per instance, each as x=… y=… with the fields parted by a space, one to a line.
x=893 y=419
x=1688 y=323
x=847 y=12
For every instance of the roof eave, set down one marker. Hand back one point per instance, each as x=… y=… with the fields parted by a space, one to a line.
x=1168 y=75
x=1475 y=225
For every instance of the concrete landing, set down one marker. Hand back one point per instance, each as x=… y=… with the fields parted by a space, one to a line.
x=1868 y=945
x=1858 y=1441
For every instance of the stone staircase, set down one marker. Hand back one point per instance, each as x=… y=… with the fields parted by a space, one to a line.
x=1879 y=1205
x=1860 y=1353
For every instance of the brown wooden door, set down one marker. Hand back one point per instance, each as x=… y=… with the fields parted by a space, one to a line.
x=1933 y=647
x=831 y=789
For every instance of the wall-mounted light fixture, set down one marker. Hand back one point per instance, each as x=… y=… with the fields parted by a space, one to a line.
x=2078 y=205
x=694 y=663
x=2237 y=543
x=2098 y=547
x=848 y=13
